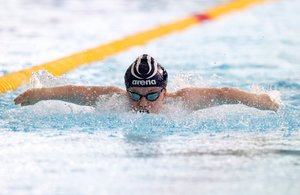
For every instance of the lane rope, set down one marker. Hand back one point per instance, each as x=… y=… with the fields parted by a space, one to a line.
x=60 y=66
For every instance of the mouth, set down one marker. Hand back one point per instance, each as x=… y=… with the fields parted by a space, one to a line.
x=140 y=110
x=144 y=111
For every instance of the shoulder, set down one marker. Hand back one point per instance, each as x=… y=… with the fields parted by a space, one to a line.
x=194 y=91
x=117 y=89
x=107 y=89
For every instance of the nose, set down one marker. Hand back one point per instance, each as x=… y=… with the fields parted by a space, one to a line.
x=143 y=102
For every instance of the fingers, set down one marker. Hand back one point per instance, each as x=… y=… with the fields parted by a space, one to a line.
x=275 y=106
x=25 y=104
x=23 y=98
x=269 y=102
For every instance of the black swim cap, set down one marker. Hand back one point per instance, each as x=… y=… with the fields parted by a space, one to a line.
x=145 y=71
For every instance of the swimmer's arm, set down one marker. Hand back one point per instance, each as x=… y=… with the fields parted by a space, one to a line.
x=81 y=95
x=205 y=97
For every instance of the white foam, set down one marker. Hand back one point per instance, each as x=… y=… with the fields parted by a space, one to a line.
x=112 y=104
x=275 y=95
x=49 y=107
x=43 y=78
x=183 y=80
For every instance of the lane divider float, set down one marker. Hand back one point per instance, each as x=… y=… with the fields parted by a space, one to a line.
x=58 y=67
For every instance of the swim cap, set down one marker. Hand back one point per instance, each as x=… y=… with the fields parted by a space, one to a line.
x=145 y=71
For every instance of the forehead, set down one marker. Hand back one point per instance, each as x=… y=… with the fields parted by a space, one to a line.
x=144 y=89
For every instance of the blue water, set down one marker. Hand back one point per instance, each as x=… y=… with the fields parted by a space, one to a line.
x=55 y=147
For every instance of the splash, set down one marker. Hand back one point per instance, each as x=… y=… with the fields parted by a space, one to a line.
x=116 y=103
x=190 y=79
x=275 y=95
x=113 y=112
x=183 y=80
x=43 y=78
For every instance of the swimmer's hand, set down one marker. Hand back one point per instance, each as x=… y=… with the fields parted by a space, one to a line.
x=29 y=97
x=265 y=102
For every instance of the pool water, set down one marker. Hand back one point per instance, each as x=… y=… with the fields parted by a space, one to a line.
x=55 y=147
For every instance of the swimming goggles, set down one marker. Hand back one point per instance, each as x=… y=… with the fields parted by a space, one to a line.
x=153 y=96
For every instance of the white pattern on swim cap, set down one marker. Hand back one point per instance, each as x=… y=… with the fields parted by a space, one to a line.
x=155 y=68
x=149 y=64
x=136 y=66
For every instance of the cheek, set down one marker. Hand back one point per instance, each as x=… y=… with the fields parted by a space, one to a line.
x=154 y=107
x=132 y=103
x=157 y=103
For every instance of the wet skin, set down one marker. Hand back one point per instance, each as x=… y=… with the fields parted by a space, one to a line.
x=193 y=98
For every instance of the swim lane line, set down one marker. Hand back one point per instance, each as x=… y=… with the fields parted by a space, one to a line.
x=60 y=66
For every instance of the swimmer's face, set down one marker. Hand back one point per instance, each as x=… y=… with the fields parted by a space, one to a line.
x=140 y=103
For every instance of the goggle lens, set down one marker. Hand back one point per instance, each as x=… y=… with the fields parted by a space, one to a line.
x=135 y=96
x=150 y=96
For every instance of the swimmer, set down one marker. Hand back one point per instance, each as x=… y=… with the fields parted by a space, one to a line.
x=146 y=91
